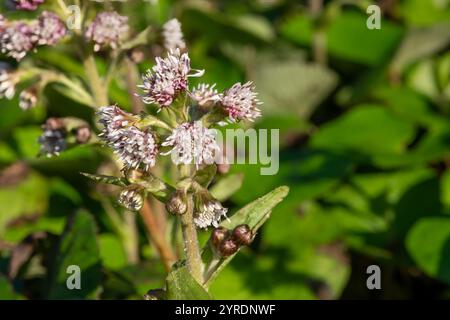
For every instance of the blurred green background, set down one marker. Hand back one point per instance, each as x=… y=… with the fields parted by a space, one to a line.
x=364 y=147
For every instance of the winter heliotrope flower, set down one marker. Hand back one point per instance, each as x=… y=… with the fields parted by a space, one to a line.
x=167 y=78
x=107 y=29
x=241 y=102
x=134 y=146
x=192 y=143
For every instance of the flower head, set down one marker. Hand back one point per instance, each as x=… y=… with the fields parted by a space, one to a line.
x=208 y=211
x=16 y=40
x=29 y=5
x=133 y=146
x=49 y=29
x=107 y=29
x=205 y=95
x=192 y=143
x=167 y=78
x=28 y=98
x=241 y=102
x=113 y=118
x=53 y=138
x=173 y=36
x=132 y=199
x=8 y=82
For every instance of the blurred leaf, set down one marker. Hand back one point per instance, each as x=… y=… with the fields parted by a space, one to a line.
x=422 y=79
x=6 y=291
x=349 y=38
x=420 y=43
x=111 y=251
x=27 y=197
x=181 y=286
x=7 y=154
x=424 y=13
x=26 y=139
x=298 y=29
x=227 y=186
x=205 y=175
x=51 y=225
x=365 y=130
x=428 y=243
x=77 y=246
x=445 y=189
x=292 y=86
x=406 y=103
x=241 y=29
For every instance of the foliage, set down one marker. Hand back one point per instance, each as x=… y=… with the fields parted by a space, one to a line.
x=364 y=150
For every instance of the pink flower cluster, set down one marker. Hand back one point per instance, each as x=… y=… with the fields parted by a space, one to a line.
x=17 y=38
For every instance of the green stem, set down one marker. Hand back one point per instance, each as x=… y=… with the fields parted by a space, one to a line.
x=191 y=245
x=96 y=84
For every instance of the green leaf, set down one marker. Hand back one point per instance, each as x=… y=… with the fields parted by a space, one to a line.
x=299 y=29
x=255 y=214
x=236 y=28
x=424 y=13
x=77 y=246
x=6 y=291
x=205 y=175
x=420 y=43
x=111 y=251
x=27 y=197
x=366 y=130
x=181 y=286
x=348 y=38
x=106 y=179
x=287 y=85
x=428 y=243
x=227 y=186
x=445 y=189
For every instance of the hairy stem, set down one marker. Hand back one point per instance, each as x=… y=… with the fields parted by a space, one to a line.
x=164 y=250
x=191 y=246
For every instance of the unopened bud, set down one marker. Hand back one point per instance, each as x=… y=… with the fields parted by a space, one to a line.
x=131 y=199
x=83 y=134
x=177 y=203
x=219 y=235
x=228 y=247
x=242 y=235
x=28 y=98
x=53 y=124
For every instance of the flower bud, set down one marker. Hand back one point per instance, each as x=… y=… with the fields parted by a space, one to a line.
x=28 y=98
x=177 y=203
x=242 y=235
x=131 y=199
x=83 y=134
x=228 y=247
x=219 y=235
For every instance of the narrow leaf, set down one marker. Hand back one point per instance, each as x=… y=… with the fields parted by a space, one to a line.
x=254 y=215
x=227 y=186
x=181 y=286
x=106 y=179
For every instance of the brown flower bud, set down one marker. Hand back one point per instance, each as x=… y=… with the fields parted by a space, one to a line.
x=228 y=247
x=83 y=134
x=242 y=235
x=177 y=203
x=53 y=124
x=219 y=235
